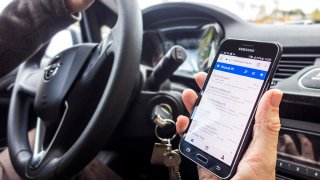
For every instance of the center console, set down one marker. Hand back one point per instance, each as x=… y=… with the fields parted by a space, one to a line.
x=299 y=139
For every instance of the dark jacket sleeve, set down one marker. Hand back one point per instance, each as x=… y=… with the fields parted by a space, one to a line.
x=25 y=25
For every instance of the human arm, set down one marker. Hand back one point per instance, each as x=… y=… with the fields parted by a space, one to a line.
x=25 y=25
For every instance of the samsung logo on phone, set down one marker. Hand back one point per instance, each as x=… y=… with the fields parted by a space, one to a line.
x=245 y=49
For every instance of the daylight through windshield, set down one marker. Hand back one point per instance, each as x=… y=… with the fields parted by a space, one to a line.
x=263 y=11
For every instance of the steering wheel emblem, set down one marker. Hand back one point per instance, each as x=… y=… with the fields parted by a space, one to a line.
x=51 y=70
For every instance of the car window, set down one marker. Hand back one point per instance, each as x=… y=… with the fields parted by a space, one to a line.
x=3 y=4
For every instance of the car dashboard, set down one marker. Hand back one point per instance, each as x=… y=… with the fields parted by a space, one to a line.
x=200 y=28
x=199 y=42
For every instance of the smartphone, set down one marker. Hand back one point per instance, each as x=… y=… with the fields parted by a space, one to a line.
x=223 y=116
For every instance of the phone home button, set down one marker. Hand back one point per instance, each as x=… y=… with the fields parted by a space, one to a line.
x=202 y=158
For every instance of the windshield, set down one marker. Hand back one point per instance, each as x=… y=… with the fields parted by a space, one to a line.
x=3 y=4
x=257 y=11
x=262 y=11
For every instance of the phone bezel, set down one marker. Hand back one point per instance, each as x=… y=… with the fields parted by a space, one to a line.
x=225 y=170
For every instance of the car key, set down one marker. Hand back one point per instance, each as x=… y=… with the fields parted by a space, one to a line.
x=165 y=146
x=172 y=160
x=159 y=150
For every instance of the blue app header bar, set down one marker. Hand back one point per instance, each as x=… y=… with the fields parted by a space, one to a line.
x=242 y=71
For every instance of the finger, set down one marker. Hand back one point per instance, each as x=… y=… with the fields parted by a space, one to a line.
x=262 y=152
x=204 y=174
x=182 y=124
x=200 y=78
x=267 y=115
x=268 y=106
x=306 y=147
x=291 y=147
x=189 y=98
x=267 y=121
x=75 y=6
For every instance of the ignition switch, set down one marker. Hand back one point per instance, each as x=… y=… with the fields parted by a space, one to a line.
x=161 y=112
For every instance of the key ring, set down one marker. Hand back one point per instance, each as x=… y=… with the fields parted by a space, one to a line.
x=165 y=139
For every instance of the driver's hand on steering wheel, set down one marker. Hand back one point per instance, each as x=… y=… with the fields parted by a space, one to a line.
x=78 y=5
x=259 y=161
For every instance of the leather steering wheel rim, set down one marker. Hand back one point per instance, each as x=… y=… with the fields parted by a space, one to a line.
x=112 y=67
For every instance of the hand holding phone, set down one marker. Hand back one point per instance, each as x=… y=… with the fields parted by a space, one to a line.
x=266 y=135
x=225 y=165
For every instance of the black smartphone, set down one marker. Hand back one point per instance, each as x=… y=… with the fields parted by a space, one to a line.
x=222 y=119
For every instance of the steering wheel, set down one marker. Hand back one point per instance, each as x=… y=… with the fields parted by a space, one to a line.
x=78 y=100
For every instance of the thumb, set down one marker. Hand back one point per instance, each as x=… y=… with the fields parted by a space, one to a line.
x=259 y=161
x=267 y=120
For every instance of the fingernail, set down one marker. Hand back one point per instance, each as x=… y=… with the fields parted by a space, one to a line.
x=276 y=98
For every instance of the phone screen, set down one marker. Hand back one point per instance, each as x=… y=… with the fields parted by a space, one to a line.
x=221 y=117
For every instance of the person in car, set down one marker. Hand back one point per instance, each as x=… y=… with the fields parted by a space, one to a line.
x=28 y=24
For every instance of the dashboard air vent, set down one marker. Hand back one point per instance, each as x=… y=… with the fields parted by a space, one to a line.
x=291 y=64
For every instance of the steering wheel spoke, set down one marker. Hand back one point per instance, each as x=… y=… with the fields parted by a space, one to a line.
x=45 y=142
x=38 y=149
x=28 y=79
